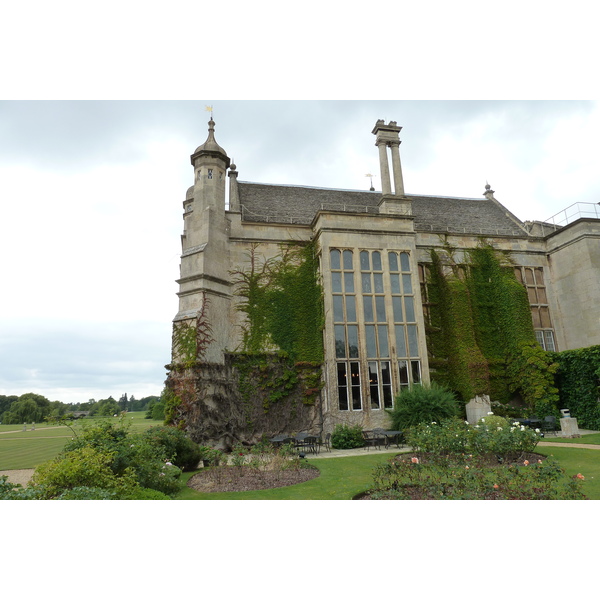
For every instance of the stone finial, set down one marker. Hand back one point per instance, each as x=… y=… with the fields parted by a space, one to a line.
x=489 y=192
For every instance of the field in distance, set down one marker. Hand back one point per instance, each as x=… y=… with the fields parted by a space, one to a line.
x=27 y=449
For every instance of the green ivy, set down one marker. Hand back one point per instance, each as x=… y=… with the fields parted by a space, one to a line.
x=282 y=338
x=579 y=383
x=481 y=336
x=273 y=377
x=456 y=358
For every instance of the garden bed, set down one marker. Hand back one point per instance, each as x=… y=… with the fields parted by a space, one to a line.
x=246 y=479
x=487 y=460
x=427 y=476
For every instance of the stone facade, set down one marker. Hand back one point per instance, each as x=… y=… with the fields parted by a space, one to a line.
x=370 y=245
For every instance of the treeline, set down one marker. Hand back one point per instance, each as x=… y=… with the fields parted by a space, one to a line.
x=109 y=406
x=34 y=408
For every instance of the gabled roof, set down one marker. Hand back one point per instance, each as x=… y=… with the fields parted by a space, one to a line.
x=299 y=204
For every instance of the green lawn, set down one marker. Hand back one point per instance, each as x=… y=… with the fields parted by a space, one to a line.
x=18 y=453
x=340 y=479
x=574 y=460
x=27 y=449
x=343 y=478
x=591 y=438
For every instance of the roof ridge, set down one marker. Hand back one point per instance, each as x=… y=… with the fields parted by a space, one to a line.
x=314 y=187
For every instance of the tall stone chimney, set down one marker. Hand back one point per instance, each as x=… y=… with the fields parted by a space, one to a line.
x=388 y=136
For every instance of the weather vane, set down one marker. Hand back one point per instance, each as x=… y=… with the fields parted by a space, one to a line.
x=210 y=110
x=371 y=178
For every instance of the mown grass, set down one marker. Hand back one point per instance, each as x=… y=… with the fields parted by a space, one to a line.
x=343 y=478
x=340 y=479
x=27 y=449
x=29 y=453
x=575 y=460
x=590 y=438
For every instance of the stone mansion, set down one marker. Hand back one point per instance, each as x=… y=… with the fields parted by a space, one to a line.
x=372 y=248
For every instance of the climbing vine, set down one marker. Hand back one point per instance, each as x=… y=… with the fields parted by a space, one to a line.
x=456 y=358
x=481 y=336
x=579 y=383
x=283 y=303
x=282 y=342
x=191 y=340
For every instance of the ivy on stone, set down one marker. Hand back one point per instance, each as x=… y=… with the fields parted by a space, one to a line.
x=481 y=335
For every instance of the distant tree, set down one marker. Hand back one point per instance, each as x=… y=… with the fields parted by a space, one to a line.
x=123 y=402
x=58 y=409
x=158 y=411
x=5 y=404
x=23 y=411
x=106 y=407
x=149 y=408
x=143 y=403
x=40 y=400
x=6 y=401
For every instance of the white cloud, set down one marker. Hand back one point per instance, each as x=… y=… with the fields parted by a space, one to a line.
x=92 y=195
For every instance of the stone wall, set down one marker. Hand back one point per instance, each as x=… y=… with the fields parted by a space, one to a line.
x=217 y=410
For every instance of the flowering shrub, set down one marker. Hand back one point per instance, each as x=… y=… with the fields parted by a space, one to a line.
x=488 y=461
x=488 y=437
x=469 y=479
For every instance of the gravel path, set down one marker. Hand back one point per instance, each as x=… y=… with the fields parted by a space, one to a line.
x=21 y=476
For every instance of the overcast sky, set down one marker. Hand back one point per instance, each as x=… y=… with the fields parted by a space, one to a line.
x=92 y=193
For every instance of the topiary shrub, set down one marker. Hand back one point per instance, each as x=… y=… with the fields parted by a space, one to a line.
x=423 y=404
x=345 y=437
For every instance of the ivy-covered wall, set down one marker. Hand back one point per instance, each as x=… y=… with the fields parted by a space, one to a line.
x=241 y=400
x=480 y=335
x=272 y=384
x=282 y=300
x=579 y=384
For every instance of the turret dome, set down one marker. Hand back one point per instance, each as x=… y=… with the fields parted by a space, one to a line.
x=210 y=147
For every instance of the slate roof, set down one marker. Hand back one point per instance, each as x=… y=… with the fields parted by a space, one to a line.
x=299 y=205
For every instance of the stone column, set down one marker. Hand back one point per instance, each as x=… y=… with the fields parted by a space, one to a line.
x=385 y=169
x=234 y=199
x=398 y=182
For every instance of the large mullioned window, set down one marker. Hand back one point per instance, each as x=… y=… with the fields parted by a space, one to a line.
x=376 y=329
x=373 y=300
x=405 y=320
x=346 y=329
x=533 y=280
